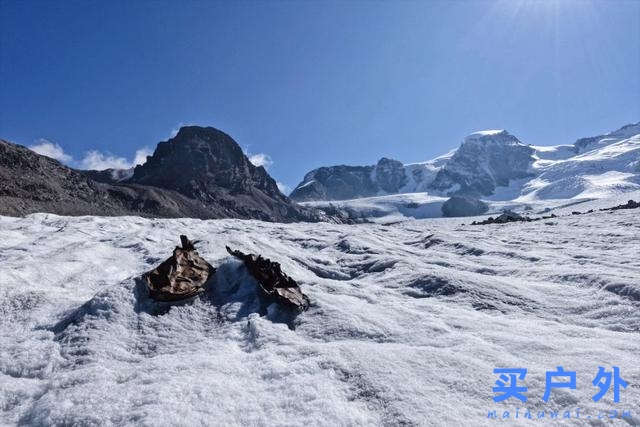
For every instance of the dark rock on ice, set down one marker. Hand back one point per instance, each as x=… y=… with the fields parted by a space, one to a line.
x=181 y=276
x=273 y=282
x=463 y=206
x=631 y=204
x=507 y=216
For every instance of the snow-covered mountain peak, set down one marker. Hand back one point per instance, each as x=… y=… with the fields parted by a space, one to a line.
x=481 y=133
x=496 y=136
x=484 y=161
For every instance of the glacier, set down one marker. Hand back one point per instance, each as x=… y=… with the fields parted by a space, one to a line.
x=407 y=321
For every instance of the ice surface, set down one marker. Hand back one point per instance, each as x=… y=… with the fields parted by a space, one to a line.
x=406 y=325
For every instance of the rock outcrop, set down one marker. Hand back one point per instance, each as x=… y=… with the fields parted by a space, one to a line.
x=509 y=216
x=463 y=206
x=505 y=217
x=631 y=204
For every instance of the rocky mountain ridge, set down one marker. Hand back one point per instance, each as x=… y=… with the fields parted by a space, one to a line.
x=488 y=163
x=200 y=173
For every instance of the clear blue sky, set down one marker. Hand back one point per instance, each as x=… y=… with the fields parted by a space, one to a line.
x=316 y=83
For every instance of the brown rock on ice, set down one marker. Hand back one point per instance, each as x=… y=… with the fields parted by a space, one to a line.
x=181 y=276
x=273 y=283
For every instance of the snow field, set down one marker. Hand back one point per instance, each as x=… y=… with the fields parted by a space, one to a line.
x=407 y=321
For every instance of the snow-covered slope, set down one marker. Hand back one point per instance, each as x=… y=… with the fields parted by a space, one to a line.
x=406 y=325
x=598 y=167
x=421 y=175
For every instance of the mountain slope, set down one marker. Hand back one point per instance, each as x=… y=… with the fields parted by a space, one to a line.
x=484 y=161
x=595 y=167
x=496 y=165
x=388 y=176
x=201 y=173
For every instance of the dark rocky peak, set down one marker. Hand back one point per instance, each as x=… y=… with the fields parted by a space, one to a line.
x=490 y=139
x=199 y=162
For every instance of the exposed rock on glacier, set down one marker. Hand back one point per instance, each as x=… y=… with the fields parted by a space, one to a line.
x=181 y=276
x=463 y=206
x=631 y=204
x=504 y=218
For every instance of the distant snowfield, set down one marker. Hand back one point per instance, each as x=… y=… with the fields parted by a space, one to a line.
x=407 y=321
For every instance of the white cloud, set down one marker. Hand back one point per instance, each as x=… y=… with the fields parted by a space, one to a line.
x=141 y=156
x=96 y=160
x=261 y=159
x=93 y=159
x=51 y=149
x=284 y=188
